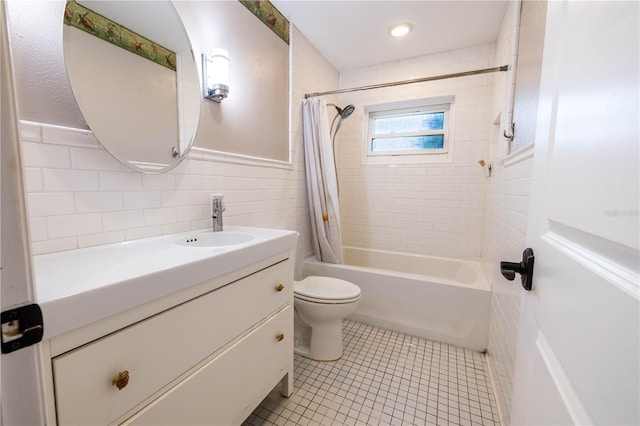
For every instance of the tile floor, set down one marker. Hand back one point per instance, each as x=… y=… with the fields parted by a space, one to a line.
x=386 y=378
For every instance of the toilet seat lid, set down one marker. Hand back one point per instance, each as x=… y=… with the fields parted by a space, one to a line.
x=326 y=288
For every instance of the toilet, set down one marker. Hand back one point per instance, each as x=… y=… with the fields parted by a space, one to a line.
x=320 y=304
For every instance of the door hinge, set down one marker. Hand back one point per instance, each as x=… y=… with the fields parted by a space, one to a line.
x=21 y=327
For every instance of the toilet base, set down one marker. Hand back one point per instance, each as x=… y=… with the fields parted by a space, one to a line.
x=306 y=355
x=326 y=342
x=323 y=343
x=319 y=350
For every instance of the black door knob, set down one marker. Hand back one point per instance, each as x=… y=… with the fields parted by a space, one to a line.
x=524 y=268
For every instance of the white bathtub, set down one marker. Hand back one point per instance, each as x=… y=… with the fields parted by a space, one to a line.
x=446 y=300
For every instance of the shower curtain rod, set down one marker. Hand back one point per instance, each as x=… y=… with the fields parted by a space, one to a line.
x=415 y=80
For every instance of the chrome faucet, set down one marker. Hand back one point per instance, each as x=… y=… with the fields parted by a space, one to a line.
x=217 y=207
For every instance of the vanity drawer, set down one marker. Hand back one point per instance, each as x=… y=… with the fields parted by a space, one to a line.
x=218 y=392
x=159 y=349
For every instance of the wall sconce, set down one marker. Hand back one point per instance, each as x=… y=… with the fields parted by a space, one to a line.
x=215 y=74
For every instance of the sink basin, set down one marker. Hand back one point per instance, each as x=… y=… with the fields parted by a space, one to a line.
x=75 y=288
x=214 y=239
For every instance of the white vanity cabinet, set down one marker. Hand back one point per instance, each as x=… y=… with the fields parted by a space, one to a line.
x=205 y=356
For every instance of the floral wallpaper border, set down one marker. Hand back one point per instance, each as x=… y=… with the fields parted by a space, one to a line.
x=85 y=19
x=270 y=16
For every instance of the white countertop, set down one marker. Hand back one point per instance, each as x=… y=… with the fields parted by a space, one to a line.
x=77 y=287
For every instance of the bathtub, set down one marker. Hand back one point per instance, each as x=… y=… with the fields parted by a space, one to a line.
x=442 y=299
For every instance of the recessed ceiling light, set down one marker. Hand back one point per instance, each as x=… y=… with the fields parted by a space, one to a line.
x=400 y=30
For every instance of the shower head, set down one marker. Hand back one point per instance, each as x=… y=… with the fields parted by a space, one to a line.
x=346 y=111
x=343 y=113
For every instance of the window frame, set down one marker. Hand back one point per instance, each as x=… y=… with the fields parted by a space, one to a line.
x=438 y=155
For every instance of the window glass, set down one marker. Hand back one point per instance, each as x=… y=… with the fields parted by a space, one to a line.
x=409 y=123
x=414 y=131
x=408 y=143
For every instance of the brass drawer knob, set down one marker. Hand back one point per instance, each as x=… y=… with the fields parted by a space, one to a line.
x=279 y=337
x=121 y=380
x=279 y=287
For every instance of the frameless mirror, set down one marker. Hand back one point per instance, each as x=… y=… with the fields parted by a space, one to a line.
x=134 y=77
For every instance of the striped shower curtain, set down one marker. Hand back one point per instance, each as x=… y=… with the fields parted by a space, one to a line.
x=322 y=185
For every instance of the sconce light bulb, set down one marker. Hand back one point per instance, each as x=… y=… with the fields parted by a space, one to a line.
x=215 y=70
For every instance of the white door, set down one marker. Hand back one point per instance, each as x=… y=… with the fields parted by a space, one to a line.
x=578 y=352
x=22 y=398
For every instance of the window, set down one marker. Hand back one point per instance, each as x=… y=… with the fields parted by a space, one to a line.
x=409 y=132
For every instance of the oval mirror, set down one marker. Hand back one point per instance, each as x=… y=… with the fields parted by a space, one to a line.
x=134 y=76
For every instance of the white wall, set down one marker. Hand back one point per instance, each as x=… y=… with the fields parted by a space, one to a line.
x=533 y=18
x=79 y=196
x=249 y=121
x=42 y=52
x=433 y=209
x=258 y=63
x=505 y=226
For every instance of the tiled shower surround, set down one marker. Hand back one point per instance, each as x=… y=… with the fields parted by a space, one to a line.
x=431 y=209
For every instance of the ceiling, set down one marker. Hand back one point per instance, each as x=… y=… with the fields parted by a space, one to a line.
x=353 y=34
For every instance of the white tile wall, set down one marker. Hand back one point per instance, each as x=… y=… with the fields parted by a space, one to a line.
x=505 y=227
x=433 y=209
x=79 y=196
x=505 y=238
x=86 y=198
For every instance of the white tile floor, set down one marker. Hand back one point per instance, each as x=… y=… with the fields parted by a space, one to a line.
x=386 y=378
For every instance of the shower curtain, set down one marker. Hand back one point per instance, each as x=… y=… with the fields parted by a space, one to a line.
x=322 y=185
